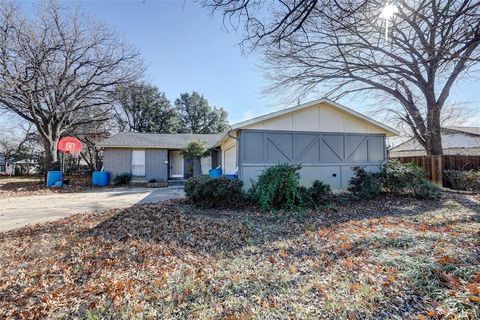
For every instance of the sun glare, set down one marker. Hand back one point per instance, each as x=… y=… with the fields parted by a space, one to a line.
x=387 y=13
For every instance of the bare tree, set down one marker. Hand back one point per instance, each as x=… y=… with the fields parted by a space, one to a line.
x=58 y=64
x=13 y=144
x=338 y=47
x=89 y=134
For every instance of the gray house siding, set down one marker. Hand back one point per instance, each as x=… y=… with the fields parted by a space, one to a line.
x=156 y=164
x=328 y=157
x=117 y=161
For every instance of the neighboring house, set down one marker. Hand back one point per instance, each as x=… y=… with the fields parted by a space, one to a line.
x=6 y=167
x=455 y=141
x=21 y=167
x=328 y=139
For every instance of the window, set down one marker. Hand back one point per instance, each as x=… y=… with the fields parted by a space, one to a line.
x=138 y=163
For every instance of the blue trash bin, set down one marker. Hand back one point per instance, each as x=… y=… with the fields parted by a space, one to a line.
x=55 y=179
x=215 y=173
x=100 y=178
x=231 y=176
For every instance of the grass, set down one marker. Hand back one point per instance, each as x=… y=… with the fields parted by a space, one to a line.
x=378 y=259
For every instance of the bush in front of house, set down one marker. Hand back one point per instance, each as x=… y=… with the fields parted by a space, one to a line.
x=277 y=187
x=366 y=184
x=393 y=178
x=211 y=193
x=468 y=180
x=401 y=178
x=425 y=189
x=318 y=195
x=122 y=179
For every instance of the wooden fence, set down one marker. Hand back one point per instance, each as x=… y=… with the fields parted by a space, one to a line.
x=434 y=165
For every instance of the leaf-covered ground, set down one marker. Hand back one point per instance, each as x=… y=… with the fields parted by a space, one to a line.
x=34 y=186
x=390 y=258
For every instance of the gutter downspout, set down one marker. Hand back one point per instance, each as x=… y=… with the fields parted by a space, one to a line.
x=228 y=134
x=237 y=153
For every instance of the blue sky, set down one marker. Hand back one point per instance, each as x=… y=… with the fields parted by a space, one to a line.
x=187 y=49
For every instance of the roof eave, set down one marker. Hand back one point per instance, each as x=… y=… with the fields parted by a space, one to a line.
x=391 y=132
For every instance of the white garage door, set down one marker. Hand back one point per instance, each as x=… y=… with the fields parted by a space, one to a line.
x=230 y=163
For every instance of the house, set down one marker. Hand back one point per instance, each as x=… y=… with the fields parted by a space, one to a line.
x=153 y=155
x=328 y=139
x=455 y=141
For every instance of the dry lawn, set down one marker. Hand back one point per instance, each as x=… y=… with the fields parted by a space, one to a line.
x=390 y=258
x=17 y=186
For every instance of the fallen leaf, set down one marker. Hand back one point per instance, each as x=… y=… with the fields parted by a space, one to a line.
x=473 y=288
x=293 y=269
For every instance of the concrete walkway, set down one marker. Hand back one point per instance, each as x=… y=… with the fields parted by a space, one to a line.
x=16 y=212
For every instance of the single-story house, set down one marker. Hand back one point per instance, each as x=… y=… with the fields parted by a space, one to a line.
x=463 y=141
x=327 y=138
x=154 y=155
x=11 y=167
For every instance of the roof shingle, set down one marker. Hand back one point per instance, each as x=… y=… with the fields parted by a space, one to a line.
x=157 y=140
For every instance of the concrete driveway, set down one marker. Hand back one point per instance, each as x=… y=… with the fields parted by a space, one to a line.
x=16 y=212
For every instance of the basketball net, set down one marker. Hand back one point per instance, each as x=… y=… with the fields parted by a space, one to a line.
x=70 y=148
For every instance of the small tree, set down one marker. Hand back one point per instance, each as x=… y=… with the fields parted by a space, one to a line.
x=195 y=151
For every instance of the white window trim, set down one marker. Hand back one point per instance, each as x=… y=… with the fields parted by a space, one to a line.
x=138 y=167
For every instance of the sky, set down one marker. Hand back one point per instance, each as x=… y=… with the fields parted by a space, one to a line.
x=187 y=49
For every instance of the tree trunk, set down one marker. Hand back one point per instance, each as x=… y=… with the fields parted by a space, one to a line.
x=197 y=167
x=434 y=137
x=434 y=145
x=51 y=156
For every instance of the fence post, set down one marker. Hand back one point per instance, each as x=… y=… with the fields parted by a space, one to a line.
x=436 y=169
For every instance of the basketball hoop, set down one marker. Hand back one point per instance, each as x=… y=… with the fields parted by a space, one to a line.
x=75 y=153
x=71 y=146
x=72 y=149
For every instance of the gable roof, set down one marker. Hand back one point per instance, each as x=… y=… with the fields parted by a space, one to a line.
x=156 y=140
x=391 y=131
x=452 y=137
x=469 y=130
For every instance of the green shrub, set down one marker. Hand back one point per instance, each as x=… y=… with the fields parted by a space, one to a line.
x=400 y=178
x=425 y=189
x=321 y=193
x=208 y=192
x=393 y=178
x=463 y=180
x=318 y=195
x=122 y=179
x=366 y=184
x=277 y=187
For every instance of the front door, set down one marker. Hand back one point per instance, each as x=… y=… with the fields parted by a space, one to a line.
x=175 y=162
